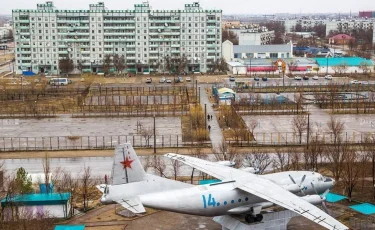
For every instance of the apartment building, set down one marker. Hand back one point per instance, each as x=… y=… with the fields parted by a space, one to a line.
x=146 y=37
x=341 y=25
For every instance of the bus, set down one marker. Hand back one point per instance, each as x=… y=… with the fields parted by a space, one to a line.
x=59 y=81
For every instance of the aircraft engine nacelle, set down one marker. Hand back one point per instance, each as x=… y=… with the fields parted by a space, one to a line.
x=250 y=170
x=293 y=188
x=313 y=199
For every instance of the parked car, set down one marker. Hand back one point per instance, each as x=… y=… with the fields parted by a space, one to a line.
x=231 y=78
x=256 y=78
x=364 y=82
x=328 y=77
x=180 y=78
x=315 y=77
x=148 y=80
x=298 y=78
x=264 y=79
x=305 y=77
x=162 y=80
x=168 y=80
x=188 y=79
x=355 y=82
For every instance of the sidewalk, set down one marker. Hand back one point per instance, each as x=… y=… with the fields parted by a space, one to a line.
x=216 y=136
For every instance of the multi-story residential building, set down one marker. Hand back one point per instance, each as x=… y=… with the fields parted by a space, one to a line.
x=340 y=25
x=247 y=37
x=146 y=37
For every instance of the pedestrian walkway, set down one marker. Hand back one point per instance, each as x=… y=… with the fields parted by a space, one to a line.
x=216 y=136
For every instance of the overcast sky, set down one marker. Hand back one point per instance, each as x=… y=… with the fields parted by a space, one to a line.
x=228 y=6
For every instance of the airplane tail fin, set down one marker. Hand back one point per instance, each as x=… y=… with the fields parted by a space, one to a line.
x=126 y=165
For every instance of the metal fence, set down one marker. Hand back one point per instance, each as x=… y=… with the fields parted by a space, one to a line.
x=85 y=142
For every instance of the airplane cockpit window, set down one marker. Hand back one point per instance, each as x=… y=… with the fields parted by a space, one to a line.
x=327 y=179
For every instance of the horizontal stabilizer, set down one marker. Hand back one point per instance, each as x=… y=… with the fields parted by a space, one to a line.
x=134 y=205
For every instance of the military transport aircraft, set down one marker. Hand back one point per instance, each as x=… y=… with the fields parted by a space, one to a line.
x=238 y=193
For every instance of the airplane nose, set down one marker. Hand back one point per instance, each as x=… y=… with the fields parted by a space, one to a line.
x=103 y=200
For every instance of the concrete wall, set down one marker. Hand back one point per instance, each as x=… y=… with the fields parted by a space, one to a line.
x=227 y=51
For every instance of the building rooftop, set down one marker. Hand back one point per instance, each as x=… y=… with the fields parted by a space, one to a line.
x=261 y=48
x=69 y=227
x=38 y=199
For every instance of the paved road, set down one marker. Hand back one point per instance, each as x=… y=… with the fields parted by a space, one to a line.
x=216 y=135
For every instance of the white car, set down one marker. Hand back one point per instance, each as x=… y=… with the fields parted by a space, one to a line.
x=297 y=78
x=315 y=77
x=168 y=80
x=355 y=82
x=162 y=80
x=148 y=80
x=328 y=77
x=188 y=79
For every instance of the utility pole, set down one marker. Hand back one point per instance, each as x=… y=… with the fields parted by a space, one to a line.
x=205 y=115
x=199 y=93
x=308 y=129
x=154 y=135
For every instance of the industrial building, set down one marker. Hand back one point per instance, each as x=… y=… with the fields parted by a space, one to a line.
x=367 y=14
x=144 y=36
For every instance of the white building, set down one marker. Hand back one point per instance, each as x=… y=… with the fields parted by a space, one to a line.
x=4 y=32
x=340 y=25
x=233 y=52
x=253 y=37
x=144 y=36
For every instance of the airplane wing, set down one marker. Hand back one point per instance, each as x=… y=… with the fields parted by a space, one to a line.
x=218 y=171
x=272 y=192
x=264 y=189
x=134 y=205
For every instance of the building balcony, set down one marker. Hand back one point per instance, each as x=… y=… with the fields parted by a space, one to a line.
x=24 y=27
x=156 y=27
x=25 y=45
x=211 y=21
x=211 y=45
x=130 y=46
x=85 y=52
x=108 y=46
x=25 y=58
x=119 y=21
x=154 y=57
x=211 y=27
x=211 y=39
x=108 y=52
x=62 y=52
x=130 y=58
x=26 y=64
x=24 y=21
x=153 y=51
x=25 y=51
x=111 y=39
x=130 y=51
x=25 y=33
x=154 y=45
x=175 y=51
x=211 y=32
x=175 y=45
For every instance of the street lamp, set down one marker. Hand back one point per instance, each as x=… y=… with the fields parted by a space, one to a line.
x=280 y=66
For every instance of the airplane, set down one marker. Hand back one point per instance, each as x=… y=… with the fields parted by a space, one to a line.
x=238 y=192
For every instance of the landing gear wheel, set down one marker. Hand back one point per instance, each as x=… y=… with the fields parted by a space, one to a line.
x=258 y=217
x=249 y=219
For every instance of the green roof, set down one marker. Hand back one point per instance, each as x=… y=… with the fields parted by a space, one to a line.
x=38 y=199
x=69 y=227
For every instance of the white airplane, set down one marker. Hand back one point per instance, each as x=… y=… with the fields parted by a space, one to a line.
x=239 y=192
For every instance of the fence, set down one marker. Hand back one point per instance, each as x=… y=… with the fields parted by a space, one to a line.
x=85 y=142
x=174 y=141
x=303 y=87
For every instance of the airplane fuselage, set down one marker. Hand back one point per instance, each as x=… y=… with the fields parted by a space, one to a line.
x=206 y=200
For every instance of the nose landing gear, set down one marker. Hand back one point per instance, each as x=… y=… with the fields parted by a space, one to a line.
x=252 y=219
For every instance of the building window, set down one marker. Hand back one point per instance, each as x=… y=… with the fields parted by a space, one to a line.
x=273 y=55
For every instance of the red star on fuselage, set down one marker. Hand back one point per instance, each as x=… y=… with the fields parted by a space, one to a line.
x=127 y=162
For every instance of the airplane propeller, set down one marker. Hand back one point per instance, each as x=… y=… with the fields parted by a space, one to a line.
x=300 y=184
x=323 y=197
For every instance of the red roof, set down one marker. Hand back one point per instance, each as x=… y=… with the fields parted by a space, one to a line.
x=341 y=36
x=261 y=68
x=297 y=68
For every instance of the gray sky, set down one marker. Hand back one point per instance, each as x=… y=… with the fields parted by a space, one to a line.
x=228 y=6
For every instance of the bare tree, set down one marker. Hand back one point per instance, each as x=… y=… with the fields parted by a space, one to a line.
x=364 y=66
x=352 y=168
x=312 y=154
x=146 y=133
x=87 y=187
x=224 y=152
x=258 y=159
x=159 y=166
x=176 y=166
x=282 y=160
x=66 y=65
x=336 y=128
x=107 y=63
x=147 y=162
x=300 y=125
